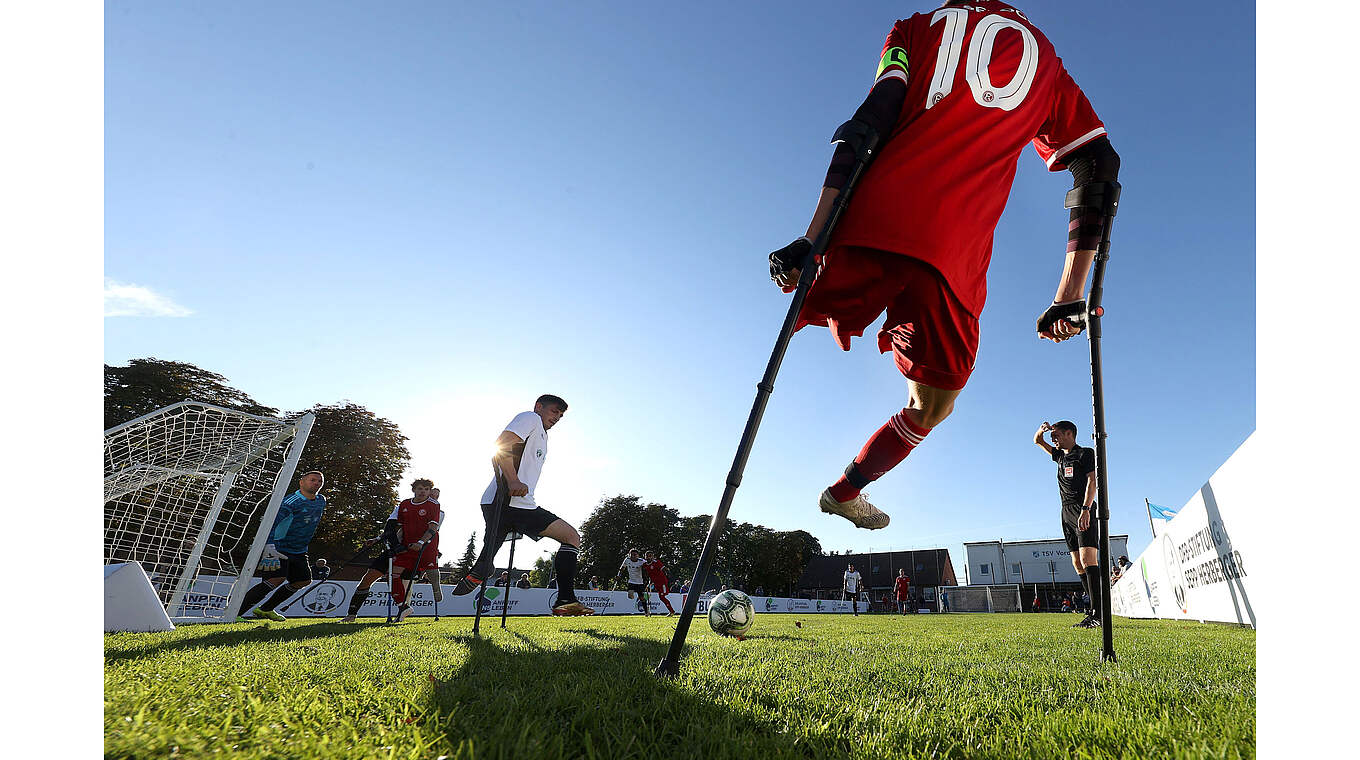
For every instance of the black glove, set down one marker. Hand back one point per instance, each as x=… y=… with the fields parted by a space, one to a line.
x=1059 y=311
x=790 y=257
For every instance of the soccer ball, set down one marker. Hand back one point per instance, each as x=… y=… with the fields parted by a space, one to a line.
x=731 y=613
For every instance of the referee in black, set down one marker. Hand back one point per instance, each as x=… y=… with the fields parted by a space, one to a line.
x=1077 y=488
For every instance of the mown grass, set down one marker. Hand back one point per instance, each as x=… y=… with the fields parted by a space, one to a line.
x=977 y=686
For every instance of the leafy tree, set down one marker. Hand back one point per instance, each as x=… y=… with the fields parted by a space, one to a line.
x=621 y=523
x=543 y=570
x=468 y=559
x=747 y=555
x=145 y=385
x=362 y=456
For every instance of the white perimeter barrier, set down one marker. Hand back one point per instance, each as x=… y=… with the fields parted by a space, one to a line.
x=1196 y=569
x=331 y=599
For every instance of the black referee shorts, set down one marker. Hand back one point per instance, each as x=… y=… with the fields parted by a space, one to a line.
x=1077 y=539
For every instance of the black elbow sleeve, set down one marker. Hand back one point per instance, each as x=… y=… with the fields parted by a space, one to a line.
x=1095 y=162
x=880 y=111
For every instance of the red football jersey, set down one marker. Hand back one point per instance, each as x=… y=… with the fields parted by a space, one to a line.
x=901 y=584
x=415 y=519
x=982 y=81
x=656 y=571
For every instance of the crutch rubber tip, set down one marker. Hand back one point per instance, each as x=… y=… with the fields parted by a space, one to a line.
x=667 y=669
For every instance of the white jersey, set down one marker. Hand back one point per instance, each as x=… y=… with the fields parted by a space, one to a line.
x=852 y=581
x=528 y=456
x=634 y=567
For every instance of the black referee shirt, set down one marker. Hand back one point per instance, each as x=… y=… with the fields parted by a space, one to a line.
x=1073 y=468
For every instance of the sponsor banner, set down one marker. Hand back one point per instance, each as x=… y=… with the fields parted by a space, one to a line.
x=331 y=599
x=1198 y=566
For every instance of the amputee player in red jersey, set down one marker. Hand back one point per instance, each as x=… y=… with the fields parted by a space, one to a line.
x=960 y=91
x=418 y=520
x=656 y=573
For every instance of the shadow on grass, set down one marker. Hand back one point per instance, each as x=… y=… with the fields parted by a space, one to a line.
x=215 y=636
x=594 y=695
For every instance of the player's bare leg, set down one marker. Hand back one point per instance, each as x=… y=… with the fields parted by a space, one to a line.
x=885 y=449
x=565 y=566
x=361 y=593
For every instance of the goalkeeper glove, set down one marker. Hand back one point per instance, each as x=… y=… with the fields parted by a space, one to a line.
x=272 y=559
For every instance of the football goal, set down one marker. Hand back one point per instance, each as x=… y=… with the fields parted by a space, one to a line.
x=978 y=598
x=190 y=492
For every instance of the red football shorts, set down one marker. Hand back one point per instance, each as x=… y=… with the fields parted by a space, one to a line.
x=933 y=338
x=407 y=560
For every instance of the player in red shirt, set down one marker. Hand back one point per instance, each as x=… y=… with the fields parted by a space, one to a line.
x=959 y=93
x=656 y=572
x=418 y=517
x=900 y=587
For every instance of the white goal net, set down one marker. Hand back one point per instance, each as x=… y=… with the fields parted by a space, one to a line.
x=190 y=492
x=978 y=598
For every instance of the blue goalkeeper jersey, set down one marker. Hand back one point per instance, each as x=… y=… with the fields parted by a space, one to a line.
x=296 y=522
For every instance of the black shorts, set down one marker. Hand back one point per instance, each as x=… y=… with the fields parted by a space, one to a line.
x=530 y=522
x=1076 y=539
x=379 y=562
x=638 y=587
x=297 y=568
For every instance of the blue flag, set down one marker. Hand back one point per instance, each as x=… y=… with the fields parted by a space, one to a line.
x=1158 y=516
x=1159 y=512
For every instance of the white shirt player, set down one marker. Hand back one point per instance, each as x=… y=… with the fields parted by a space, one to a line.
x=852 y=581
x=529 y=427
x=634 y=567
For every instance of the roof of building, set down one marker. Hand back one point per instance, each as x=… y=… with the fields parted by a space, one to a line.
x=1059 y=539
x=925 y=567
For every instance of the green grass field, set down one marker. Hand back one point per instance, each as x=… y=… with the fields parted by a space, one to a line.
x=868 y=687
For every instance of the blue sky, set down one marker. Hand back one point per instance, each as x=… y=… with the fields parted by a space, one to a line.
x=442 y=211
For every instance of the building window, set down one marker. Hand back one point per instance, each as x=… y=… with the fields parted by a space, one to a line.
x=1015 y=568
x=985 y=569
x=920 y=568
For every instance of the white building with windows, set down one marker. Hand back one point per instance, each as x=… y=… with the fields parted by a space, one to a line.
x=1041 y=561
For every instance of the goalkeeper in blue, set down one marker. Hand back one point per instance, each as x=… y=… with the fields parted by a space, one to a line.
x=285 y=554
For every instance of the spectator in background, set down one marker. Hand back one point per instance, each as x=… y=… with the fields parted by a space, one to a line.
x=504 y=580
x=594 y=584
x=322 y=571
x=524 y=582
x=1035 y=604
x=760 y=591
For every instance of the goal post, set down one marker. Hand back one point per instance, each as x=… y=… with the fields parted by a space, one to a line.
x=190 y=493
x=1002 y=598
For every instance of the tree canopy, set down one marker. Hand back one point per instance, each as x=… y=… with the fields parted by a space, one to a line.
x=145 y=385
x=748 y=555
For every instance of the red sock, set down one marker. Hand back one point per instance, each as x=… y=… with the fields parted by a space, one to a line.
x=398 y=587
x=888 y=446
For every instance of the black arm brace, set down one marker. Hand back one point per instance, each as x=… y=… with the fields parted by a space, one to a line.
x=1094 y=167
x=390 y=534
x=879 y=111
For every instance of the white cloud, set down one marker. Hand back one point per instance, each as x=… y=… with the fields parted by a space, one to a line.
x=127 y=300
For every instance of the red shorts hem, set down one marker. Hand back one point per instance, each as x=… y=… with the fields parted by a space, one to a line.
x=932 y=336
x=407 y=560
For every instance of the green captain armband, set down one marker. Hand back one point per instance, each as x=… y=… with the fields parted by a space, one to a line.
x=893 y=56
